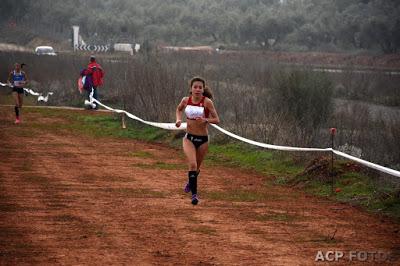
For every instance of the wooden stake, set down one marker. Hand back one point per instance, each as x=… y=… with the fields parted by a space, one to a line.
x=123 y=121
x=333 y=133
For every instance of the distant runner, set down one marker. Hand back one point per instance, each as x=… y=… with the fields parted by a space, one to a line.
x=199 y=110
x=17 y=80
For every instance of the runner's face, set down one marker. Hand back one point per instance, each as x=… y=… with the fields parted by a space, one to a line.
x=197 y=88
x=17 y=67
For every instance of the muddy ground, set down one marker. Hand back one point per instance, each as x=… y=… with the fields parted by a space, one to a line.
x=69 y=199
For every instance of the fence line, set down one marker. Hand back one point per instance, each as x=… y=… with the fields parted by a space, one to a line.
x=171 y=126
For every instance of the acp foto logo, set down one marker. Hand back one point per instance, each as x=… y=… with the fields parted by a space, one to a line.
x=354 y=255
x=329 y=255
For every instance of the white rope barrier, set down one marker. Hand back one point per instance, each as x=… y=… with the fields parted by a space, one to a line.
x=40 y=97
x=171 y=126
x=369 y=164
x=286 y=148
x=268 y=146
x=5 y=85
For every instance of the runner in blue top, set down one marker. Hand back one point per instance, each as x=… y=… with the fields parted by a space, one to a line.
x=17 y=80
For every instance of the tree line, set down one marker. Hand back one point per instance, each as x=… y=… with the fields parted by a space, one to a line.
x=299 y=25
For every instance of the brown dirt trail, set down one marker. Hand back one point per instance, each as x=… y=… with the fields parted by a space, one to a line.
x=70 y=199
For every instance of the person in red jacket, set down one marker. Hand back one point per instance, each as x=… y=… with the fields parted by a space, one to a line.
x=95 y=73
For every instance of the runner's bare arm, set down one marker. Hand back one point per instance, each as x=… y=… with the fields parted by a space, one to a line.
x=214 y=118
x=26 y=79
x=179 y=110
x=9 y=78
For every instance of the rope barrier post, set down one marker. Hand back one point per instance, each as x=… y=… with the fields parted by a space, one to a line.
x=123 y=121
x=123 y=115
x=333 y=133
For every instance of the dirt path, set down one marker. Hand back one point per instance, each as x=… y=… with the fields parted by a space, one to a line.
x=68 y=199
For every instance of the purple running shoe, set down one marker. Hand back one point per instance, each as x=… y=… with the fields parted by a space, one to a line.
x=187 y=188
x=195 y=199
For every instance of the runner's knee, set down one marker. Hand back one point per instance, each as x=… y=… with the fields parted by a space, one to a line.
x=192 y=166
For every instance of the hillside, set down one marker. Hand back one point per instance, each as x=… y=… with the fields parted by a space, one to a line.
x=289 y=25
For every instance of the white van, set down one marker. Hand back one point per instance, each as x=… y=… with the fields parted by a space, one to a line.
x=44 y=50
x=123 y=47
